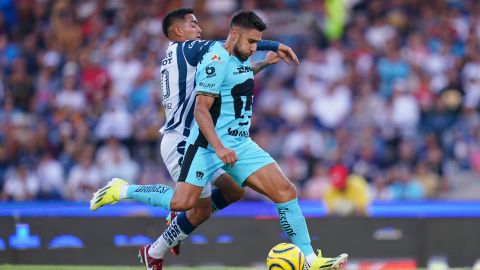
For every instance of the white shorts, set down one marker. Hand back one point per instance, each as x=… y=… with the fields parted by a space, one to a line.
x=172 y=149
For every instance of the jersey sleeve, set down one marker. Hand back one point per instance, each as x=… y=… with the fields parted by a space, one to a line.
x=211 y=71
x=268 y=45
x=195 y=49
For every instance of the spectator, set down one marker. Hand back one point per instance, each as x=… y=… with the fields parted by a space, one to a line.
x=51 y=178
x=348 y=194
x=21 y=183
x=84 y=178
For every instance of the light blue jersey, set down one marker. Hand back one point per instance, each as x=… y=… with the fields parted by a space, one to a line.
x=230 y=81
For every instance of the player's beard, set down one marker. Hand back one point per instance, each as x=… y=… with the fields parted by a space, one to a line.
x=239 y=53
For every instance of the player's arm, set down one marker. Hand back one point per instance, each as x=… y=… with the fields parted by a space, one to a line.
x=284 y=52
x=204 y=120
x=270 y=59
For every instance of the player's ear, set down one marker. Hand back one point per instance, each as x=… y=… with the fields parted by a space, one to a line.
x=177 y=30
x=235 y=33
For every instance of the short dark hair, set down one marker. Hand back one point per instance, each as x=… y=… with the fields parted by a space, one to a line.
x=177 y=14
x=249 y=20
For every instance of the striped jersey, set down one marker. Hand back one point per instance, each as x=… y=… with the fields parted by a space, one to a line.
x=177 y=78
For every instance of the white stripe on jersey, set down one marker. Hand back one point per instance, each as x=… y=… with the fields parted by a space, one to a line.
x=177 y=74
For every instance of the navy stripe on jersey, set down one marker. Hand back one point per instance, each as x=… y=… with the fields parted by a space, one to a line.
x=189 y=120
x=215 y=113
x=195 y=49
x=187 y=162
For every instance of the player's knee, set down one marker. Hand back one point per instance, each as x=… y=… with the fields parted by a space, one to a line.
x=286 y=192
x=181 y=205
x=236 y=195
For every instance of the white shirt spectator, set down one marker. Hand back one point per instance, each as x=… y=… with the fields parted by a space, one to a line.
x=115 y=122
x=405 y=110
x=305 y=138
x=124 y=72
x=21 y=184
x=51 y=176
x=378 y=35
x=83 y=180
x=332 y=107
x=471 y=82
x=71 y=99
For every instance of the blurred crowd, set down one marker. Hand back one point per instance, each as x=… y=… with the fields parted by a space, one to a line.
x=394 y=99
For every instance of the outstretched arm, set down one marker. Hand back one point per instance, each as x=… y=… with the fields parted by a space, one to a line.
x=284 y=52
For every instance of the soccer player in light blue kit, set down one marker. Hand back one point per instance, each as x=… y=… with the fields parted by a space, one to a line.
x=178 y=81
x=220 y=136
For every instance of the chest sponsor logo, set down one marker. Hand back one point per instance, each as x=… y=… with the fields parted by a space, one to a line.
x=242 y=69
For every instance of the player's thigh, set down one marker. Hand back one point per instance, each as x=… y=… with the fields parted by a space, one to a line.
x=199 y=165
x=230 y=189
x=172 y=149
x=271 y=182
x=251 y=158
x=200 y=212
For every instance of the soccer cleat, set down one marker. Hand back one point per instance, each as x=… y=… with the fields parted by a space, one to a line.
x=150 y=262
x=322 y=263
x=176 y=249
x=109 y=194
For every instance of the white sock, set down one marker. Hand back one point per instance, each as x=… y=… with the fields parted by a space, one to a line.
x=309 y=259
x=169 y=238
x=123 y=191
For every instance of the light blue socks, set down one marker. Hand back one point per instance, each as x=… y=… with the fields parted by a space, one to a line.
x=294 y=225
x=156 y=195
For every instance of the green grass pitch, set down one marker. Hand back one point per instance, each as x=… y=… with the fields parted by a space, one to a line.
x=70 y=267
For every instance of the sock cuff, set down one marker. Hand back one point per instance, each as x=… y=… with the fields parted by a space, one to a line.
x=218 y=200
x=184 y=223
x=130 y=190
x=294 y=201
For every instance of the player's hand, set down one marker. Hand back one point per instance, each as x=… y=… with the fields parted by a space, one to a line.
x=228 y=156
x=272 y=58
x=286 y=54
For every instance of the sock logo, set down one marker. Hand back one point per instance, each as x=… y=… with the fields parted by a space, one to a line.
x=171 y=233
x=199 y=175
x=282 y=215
x=152 y=188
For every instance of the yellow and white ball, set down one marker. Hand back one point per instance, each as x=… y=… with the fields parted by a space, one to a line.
x=285 y=256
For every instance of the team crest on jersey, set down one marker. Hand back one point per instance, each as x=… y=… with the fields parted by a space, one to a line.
x=199 y=175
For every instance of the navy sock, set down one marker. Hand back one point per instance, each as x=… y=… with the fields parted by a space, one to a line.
x=218 y=201
x=184 y=223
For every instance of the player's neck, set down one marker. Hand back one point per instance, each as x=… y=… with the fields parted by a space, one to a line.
x=228 y=46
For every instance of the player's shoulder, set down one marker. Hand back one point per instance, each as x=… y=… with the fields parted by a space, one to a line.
x=216 y=54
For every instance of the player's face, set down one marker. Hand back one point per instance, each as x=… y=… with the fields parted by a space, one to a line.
x=190 y=28
x=246 y=43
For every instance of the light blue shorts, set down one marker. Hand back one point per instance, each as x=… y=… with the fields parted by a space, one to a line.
x=199 y=164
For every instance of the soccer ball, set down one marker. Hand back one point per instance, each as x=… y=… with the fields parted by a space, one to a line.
x=285 y=256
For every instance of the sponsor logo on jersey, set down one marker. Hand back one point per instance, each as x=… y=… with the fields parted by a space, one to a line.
x=215 y=58
x=199 y=175
x=238 y=133
x=207 y=85
x=210 y=72
x=242 y=69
